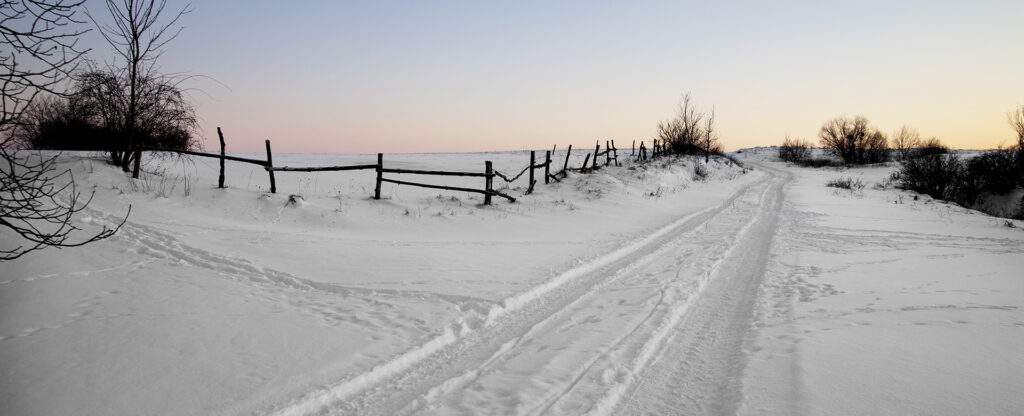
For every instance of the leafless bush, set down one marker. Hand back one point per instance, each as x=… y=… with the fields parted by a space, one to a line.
x=794 y=150
x=904 y=140
x=847 y=183
x=690 y=131
x=854 y=141
x=927 y=147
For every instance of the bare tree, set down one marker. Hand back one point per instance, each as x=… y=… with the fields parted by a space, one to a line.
x=1016 y=119
x=40 y=51
x=138 y=37
x=904 y=140
x=710 y=143
x=853 y=140
x=794 y=150
x=682 y=133
x=37 y=202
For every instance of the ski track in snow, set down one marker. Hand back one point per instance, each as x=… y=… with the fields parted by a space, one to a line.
x=576 y=352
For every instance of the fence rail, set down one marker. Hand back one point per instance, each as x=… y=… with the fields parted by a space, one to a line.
x=610 y=153
x=432 y=172
x=320 y=168
x=203 y=154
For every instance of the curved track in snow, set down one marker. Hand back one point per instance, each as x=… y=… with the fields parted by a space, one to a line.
x=656 y=326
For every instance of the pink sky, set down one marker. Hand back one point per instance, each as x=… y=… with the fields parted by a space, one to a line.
x=366 y=77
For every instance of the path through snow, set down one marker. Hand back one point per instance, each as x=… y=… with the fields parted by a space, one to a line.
x=588 y=341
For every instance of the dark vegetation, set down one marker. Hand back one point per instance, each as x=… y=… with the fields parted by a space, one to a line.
x=690 y=131
x=847 y=183
x=854 y=141
x=38 y=202
x=933 y=171
x=113 y=109
x=926 y=165
x=94 y=116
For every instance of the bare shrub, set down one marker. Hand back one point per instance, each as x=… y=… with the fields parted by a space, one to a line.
x=853 y=140
x=847 y=183
x=904 y=140
x=690 y=131
x=794 y=150
x=994 y=172
x=930 y=146
x=936 y=175
x=700 y=172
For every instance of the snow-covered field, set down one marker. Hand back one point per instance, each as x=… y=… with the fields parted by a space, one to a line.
x=634 y=290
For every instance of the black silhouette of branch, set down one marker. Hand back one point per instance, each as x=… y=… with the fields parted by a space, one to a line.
x=39 y=204
x=138 y=37
x=40 y=51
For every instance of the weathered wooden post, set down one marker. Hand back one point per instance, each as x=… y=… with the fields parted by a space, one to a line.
x=547 y=167
x=597 y=152
x=380 y=175
x=138 y=162
x=489 y=177
x=565 y=167
x=220 y=179
x=585 y=160
x=633 y=152
x=615 y=150
x=270 y=169
x=529 y=185
x=607 y=153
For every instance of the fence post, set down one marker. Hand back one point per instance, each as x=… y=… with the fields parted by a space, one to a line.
x=565 y=167
x=270 y=169
x=597 y=149
x=529 y=186
x=138 y=162
x=489 y=176
x=633 y=152
x=380 y=175
x=615 y=150
x=220 y=179
x=584 y=168
x=547 y=167
x=607 y=153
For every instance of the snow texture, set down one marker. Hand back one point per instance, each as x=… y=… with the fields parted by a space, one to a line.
x=640 y=289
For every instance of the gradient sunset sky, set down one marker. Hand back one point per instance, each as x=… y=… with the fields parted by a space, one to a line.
x=422 y=76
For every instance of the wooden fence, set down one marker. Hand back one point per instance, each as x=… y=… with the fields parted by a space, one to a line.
x=610 y=153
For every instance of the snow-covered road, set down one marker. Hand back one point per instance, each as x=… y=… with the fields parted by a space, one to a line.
x=656 y=326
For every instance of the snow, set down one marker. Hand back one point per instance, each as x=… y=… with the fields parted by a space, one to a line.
x=636 y=289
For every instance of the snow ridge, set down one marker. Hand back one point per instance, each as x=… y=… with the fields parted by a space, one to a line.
x=320 y=399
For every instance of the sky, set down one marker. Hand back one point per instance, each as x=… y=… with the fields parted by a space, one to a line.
x=449 y=76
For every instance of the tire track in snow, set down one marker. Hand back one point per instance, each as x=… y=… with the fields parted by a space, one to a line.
x=645 y=337
x=700 y=370
x=464 y=347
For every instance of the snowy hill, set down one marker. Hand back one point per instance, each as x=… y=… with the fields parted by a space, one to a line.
x=635 y=289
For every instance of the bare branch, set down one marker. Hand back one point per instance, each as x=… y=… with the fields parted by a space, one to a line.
x=40 y=40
